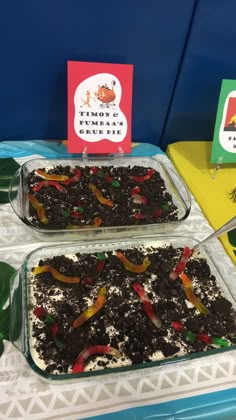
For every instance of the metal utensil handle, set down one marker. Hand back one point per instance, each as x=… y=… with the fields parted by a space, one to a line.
x=230 y=225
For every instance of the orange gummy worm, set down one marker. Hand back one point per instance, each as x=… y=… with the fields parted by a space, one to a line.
x=100 y=197
x=191 y=296
x=56 y=274
x=89 y=312
x=97 y=222
x=135 y=268
x=44 y=175
x=39 y=208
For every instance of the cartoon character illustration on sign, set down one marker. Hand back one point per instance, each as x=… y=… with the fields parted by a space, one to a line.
x=230 y=113
x=105 y=94
x=227 y=130
x=86 y=102
x=232 y=121
x=98 y=114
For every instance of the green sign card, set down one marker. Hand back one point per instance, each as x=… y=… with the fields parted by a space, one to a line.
x=224 y=141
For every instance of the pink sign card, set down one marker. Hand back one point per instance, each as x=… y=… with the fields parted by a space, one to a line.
x=99 y=107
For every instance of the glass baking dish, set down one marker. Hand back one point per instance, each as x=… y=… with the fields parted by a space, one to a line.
x=175 y=187
x=24 y=286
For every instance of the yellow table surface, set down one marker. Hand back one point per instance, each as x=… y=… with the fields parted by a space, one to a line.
x=210 y=188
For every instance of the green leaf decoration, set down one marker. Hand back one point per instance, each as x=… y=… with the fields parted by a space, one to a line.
x=232 y=237
x=16 y=313
x=4 y=323
x=6 y=271
x=8 y=167
x=1 y=347
x=4 y=198
x=4 y=182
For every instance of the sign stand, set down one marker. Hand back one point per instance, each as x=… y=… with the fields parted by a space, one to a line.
x=85 y=155
x=218 y=166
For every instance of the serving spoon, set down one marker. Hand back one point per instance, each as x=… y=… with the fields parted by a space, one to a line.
x=227 y=227
x=187 y=252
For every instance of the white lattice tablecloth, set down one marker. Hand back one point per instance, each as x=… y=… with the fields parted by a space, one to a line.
x=25 y=395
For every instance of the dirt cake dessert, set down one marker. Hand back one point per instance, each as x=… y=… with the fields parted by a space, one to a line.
x=71 y=197
x=116 y=308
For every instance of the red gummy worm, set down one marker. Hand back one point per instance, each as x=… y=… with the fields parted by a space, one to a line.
x=204 y=338
x=85 y=354
x=147 y=305
x=42 y=184
x=145 y=177
x=138 y=216
x=74 y=178
x=137 y=198
x=50 y=322
x=134 y=191
x=182 y=264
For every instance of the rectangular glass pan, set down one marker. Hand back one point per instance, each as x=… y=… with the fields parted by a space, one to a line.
x=170 y=309
x=175 y=187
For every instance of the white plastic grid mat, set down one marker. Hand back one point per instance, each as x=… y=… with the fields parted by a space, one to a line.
x=25 y=395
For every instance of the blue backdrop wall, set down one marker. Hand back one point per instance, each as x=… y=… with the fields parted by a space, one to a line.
x=38 y=37
x=180 y=51
x=208 y=58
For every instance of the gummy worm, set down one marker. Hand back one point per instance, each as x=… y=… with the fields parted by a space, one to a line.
x=42 y=184
x=96 y=171
x=204 y=338
x=182 y=264
x=147 y=305
x=101 y=257
x=134 y=191
x=56 y=274
x=100 y=266
x=105 y=176
x=111 y=181
x=158 y=212
x=100 y=197
x=135 y=268
x=50 y=322
x=138 y=216
x=97 y=222
x=75 y=178
x=43 y=174
x=138 y=199
x=90 y=312
x=90 y=280
x=75 y=213
x=145 y=177
x=39 y=208
x=191 y=296
x=65 y=213
x=83 y=356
